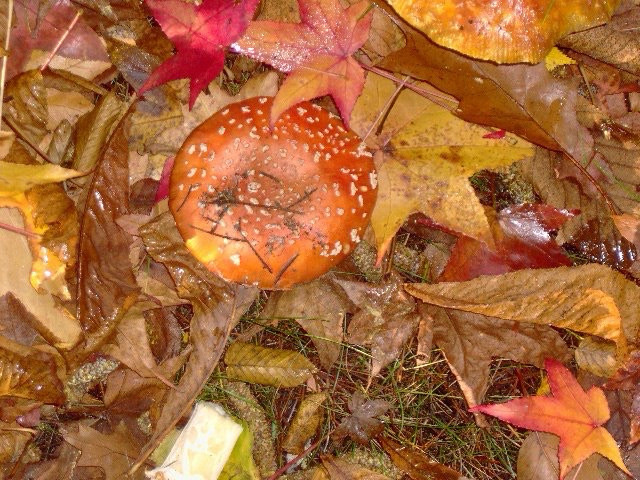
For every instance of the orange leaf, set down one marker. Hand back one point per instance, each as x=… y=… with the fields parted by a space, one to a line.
x=316 y=51
x=569 y=412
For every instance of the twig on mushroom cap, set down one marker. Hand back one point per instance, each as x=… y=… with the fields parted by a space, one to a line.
x=272 y=206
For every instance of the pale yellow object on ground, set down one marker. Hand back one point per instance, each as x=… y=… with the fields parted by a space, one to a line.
x=202 y=448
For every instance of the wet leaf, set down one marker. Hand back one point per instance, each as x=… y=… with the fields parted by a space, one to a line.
x=342 y=470
x=28 y=106
x=305 y=422
x=361 y=426
x=29 y=372
x=106 y=284
x=470 y=341
x=385 y=321
x=429 y=156
x=200 y=34
x=267 y=366
x=591 y=298
x=217 y=307
x=416 y=464
x=569 y=412
x=507 y=32
x=322 y=320
x=317 y=52
x=522 y=99
x=112 y=453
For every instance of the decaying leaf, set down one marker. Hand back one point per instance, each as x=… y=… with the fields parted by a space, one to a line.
x=416 y=464
x=342 y=470
x=267 y=366
x=386 y=319
x=16 y=178
x=323 y=320
x=507 y=32
x=569 y=412
x=429 y=156
x=305 y=422
x=217 y=307
x=362 y=425
x=470 y=341
x=591 y=298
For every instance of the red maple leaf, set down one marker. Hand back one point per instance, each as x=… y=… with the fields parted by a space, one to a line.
x=569 y=412
x=318 y=52
x=200 y=35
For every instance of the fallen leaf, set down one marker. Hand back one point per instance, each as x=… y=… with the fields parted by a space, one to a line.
x=342 y=470
x=520 y=31
x=217 y=308
x=112 y=453
x=522 y=240
x=596 y=356
x=16 y=178
x=416 y=464
x=569 y=412
x=538 y=460
x=361 y=425
x=523 y=99
x=317 y=52
x=323 y=320
x=305 y=422
x=470 y=342
x=28 y=105
x=429 y=156
x=267 y=366
x=627 y=377
x=386 y=319
x=590 y=298
x=106 y=285
x=200 y=34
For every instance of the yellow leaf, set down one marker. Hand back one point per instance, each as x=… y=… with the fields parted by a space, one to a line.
x=16 y=178
x=555 y=58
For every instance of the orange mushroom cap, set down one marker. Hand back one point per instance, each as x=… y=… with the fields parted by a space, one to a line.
x=505 y=31
x=272 y=207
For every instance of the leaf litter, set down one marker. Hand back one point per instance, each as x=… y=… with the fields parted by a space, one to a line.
x=458 y=294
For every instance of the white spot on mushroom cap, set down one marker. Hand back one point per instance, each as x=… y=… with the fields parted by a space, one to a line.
x=191 y=172
x=373 y=180
x=221 y=131
x=235 y=259
x=191 y=149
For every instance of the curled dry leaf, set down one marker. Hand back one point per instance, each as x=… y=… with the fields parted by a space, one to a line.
x=217 y=307
x=267 y=366
x=385 y=321
x=323 y=320
x=591 y=298
x=362 y=425
x=28 y=105
x=305 y=423
x=506 y=32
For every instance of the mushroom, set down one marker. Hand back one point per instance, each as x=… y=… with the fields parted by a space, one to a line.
x=272 y=207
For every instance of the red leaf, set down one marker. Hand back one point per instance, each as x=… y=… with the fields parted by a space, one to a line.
x=522 y=241
x=496 y=134
x=200 y=35
x=316 y=51
x=569 y=412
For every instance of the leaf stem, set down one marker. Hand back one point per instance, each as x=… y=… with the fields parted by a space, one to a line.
x=61 y=40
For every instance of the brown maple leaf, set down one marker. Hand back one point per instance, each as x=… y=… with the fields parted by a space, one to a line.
x=569 y=412
x=318 y=53
x=362 y=425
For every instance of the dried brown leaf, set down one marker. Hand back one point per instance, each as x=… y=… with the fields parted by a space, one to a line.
x=538 y=460
x=596 y=356
x=320 y=308
x=106 y=284
x=217 y=308
x=113 y=452
x=267 y=366
x=305 y=423
x=591 y=298
x=16 y=322
x=416 y=464
x=523 y=99
x=28 y=105
x=470 y=341
x=342 y=470
x=387 y=319
x=12 y=443
x=362 y=425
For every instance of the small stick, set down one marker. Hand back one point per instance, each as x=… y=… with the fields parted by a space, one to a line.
x=278 y=473
x=387 y=106
x=19 y=134
x=63 y=37
x=612 y=208
x=3 y=69
x=18 y=230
